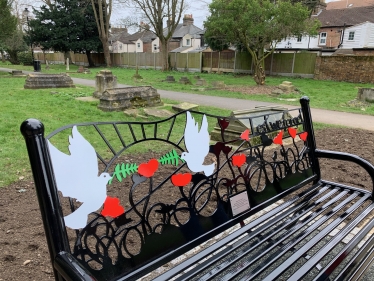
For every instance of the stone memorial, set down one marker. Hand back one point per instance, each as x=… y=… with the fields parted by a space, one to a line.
x=218 y=85
x=287 y=87
x=104 y=80
x=18 y=73
x=238 y=126
x=80 y=69
x=169 y=79
x=366 y=94
x=184 y=80
x=43 y=81
x=185 y=106
x=67 y=64
x=119 y=99
x=201 y=82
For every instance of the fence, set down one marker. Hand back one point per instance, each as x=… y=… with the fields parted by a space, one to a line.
x=285 y=64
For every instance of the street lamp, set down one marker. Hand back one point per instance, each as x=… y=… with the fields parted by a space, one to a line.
x=26 y=13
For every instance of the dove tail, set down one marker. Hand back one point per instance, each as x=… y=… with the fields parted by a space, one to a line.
x=209 y=169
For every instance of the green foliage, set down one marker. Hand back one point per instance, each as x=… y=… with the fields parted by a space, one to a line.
x=8 y=22
x=171 y=158
x=25 y=58
x=15 y=44
x=256 y=25
x=66 y=25
x=123 y=170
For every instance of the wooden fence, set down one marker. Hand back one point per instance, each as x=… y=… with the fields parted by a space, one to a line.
x=285 y=64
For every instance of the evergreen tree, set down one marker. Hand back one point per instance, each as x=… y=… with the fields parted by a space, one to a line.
x=66 y=25
x=8 y=24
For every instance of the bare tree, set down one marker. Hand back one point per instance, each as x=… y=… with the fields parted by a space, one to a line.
x=103 y=11
x=156 y=12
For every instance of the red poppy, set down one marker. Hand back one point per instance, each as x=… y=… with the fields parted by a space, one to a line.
x=181 y=179
x=279 y=138
x=239 y=160
x=292 y=132
x=303 y=136
x=245 y=135
x=112 y=207
x=148 y=169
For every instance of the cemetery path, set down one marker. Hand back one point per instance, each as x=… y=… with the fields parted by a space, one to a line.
x=319 y=115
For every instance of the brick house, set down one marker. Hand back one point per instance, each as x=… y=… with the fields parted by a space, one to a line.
x=349 y=4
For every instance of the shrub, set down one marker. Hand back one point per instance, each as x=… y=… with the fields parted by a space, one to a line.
x=25 y=58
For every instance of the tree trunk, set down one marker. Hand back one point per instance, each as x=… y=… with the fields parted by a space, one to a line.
x=89 y=58
x=164 y=55
x=105 y=43
x=259 y=74
x=67 y=55
x=2 y=56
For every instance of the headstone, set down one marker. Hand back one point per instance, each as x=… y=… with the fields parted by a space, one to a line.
x=201 y=82
x=218 y=85
x=238 y=126
x=67 y=64
x=104 y=80
x=87 y=70
x=42 y=81
x=18 y=73
x=185 y=106
x=276 y=92
x=80 y=69
x=160 y=113
x=119 y=99
x=169 y=79
x=197 y=77
x=184 y=80
x=366 y=94
x=287 y=86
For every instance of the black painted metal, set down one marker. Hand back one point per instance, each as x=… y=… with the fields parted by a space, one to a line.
x=276 y=236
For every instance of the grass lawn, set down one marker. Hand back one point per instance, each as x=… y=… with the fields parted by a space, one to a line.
x=323 y=94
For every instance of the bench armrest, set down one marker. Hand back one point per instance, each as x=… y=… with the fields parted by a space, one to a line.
x=336 y=155
x=70 y=268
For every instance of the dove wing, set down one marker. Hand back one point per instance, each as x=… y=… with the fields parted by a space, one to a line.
x=197 y=142
x=75 y=173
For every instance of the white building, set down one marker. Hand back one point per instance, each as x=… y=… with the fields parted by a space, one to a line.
x=359 y=36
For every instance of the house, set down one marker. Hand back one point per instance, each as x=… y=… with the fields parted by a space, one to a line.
x=359 y=36
x=186 y=36
x=117 y=40
x=143 y=41
x=349 y=4
x=333 y=30
x=335 y=21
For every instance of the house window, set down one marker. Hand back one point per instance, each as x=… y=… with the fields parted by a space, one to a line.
x=120 y=46
x=299 y=38
x=155 y=47
x=188 y=42
x=138 y=45
x=322 y=38
x=351 y=35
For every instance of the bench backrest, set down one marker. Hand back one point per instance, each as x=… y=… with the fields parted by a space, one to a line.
x=126 y=197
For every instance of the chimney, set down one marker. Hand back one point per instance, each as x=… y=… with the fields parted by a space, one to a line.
x=188 y=19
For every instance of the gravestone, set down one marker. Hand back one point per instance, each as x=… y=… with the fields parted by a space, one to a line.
x=287 y=87
x=18 y=73
x=185 y=106
x=67 y=64
x=104 y=80
x=119 y=99
x=201 y=82
x=80 y=69
x=42 y=81
x=218 y=85
x=366 y=94
x=184 y=80
x=238 y=126
x=169 y=79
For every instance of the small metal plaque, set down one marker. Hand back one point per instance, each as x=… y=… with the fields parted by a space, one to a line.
x=239 y=203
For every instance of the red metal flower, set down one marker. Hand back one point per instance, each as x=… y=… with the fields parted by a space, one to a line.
x=239 y=160
x=279 y=138
x=303 y=136
x=181 y=179
x=245 y=135
x=148 y=169
x=112 y=207
x=292 y=132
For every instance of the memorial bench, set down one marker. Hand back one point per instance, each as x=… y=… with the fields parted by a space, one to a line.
x=250 y=206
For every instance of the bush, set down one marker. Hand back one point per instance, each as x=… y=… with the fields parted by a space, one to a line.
x=25 y=58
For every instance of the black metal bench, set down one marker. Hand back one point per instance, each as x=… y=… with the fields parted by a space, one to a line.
x=267 y=180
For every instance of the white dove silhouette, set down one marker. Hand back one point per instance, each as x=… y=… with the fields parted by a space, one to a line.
x=77 y=177
x=197 y=144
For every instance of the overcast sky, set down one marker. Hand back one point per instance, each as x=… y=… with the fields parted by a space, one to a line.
x=198 y=8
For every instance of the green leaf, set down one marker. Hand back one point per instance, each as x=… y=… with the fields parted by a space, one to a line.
x=170 y=158
x=122 y=171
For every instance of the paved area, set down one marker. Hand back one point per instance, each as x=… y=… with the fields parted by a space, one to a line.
x=318 y=115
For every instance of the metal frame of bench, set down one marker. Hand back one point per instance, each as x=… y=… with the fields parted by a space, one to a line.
x=268 y=247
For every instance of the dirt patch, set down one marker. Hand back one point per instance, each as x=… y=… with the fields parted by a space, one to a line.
x=24 y=254
x=252 y=90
